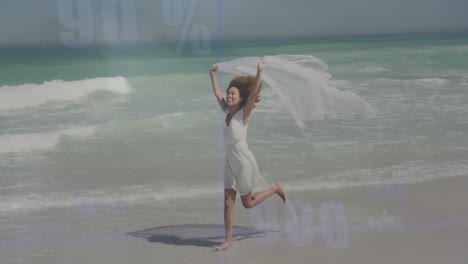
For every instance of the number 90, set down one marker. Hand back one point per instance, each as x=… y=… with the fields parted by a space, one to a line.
x=118 y=22
x=298 y=216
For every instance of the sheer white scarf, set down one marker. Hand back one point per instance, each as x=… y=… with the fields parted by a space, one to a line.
x=302 y=83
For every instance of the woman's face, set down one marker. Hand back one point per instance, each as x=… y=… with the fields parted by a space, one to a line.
x=233 y=97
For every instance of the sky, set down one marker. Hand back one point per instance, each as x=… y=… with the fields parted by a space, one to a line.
x=89 y=22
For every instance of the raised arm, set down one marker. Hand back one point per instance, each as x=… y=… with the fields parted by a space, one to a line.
x=255 y=90
x=217 y=92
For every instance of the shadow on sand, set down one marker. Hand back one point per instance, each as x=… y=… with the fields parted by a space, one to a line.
x=201 y=235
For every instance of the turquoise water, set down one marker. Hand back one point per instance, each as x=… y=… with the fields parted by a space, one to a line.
x=139 y=125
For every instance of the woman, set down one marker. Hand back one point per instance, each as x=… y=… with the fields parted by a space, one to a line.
x=241 y=173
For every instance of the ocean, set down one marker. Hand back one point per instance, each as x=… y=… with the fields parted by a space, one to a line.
x=90 y=134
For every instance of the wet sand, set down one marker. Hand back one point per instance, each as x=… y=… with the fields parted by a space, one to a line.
x=421 y=223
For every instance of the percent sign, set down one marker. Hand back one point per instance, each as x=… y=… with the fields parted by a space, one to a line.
x=175 y=15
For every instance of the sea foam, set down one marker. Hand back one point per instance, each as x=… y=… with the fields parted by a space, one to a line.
x=107 y=198
x=39 y=141
x=112 y=198
x=31 y=95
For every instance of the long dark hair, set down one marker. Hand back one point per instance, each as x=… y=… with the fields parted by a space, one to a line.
x=244 y=84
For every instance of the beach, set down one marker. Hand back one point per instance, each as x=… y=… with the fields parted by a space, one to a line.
x=116 y=156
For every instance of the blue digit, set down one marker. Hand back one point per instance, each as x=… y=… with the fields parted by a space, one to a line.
x=264 y=217
x=299 y=223
x=334 y=224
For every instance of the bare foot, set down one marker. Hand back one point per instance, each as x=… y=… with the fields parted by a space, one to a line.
x=222 y=246
x=279 y=190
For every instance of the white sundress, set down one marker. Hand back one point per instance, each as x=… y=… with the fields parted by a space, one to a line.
x=240 y=170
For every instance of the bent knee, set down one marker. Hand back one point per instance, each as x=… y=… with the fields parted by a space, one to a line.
x=247 y=204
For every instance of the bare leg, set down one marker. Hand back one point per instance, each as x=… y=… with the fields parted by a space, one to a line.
x=250 y=200
x=229 y=201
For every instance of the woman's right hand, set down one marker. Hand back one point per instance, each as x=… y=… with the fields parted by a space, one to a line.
x=214 y=68
x=260 y=65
